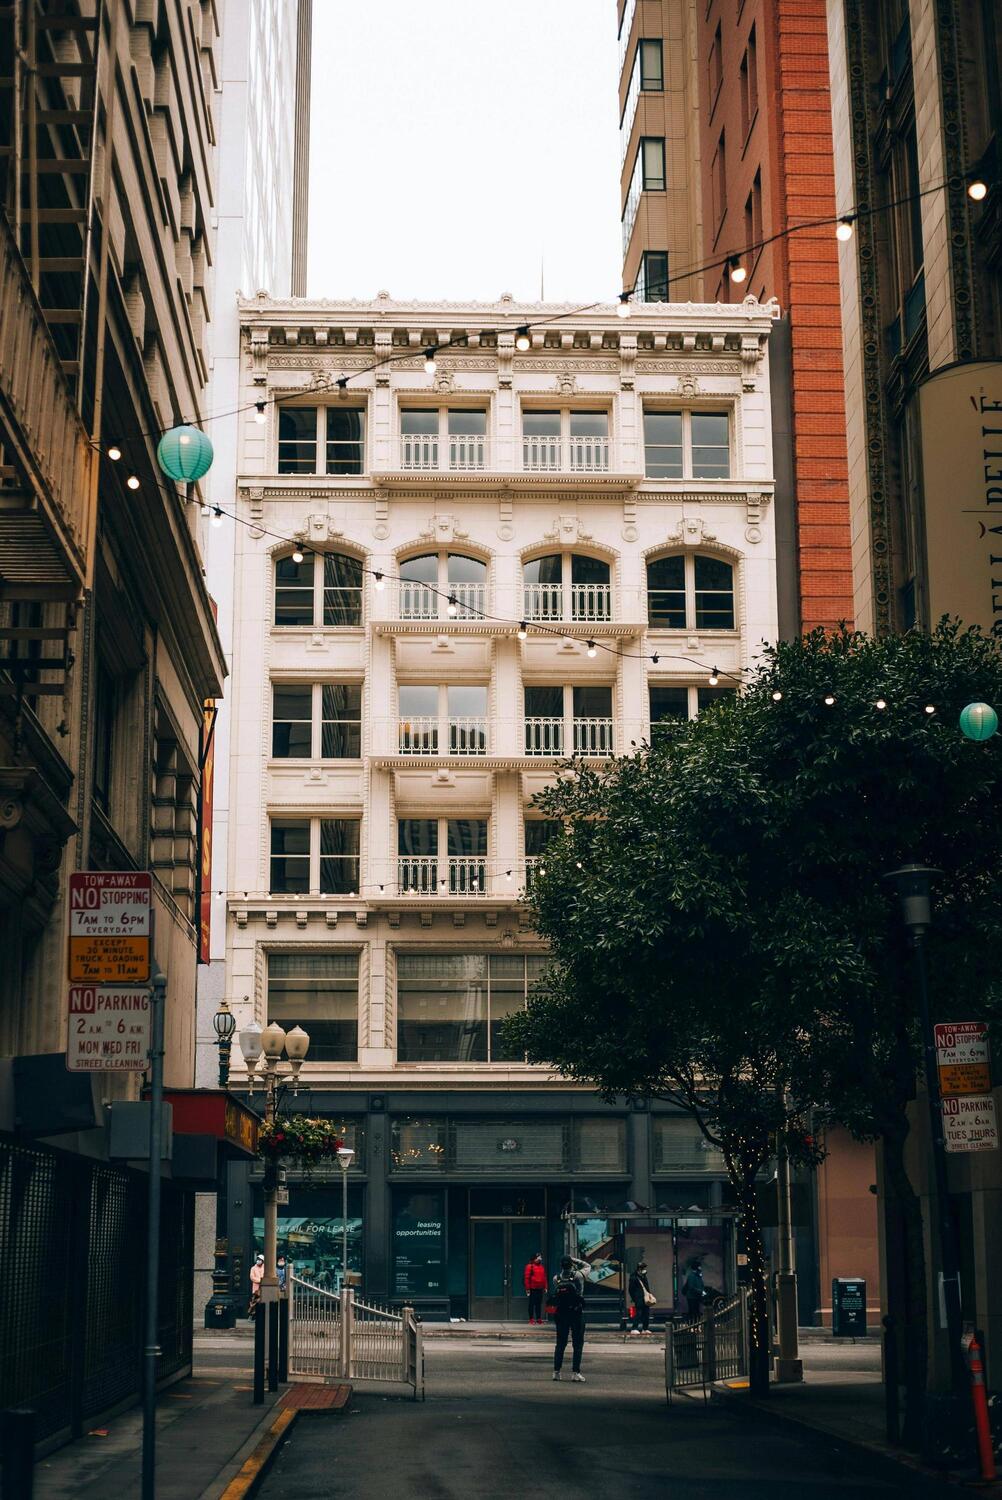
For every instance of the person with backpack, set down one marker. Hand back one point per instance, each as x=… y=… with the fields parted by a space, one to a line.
x=642 y=1298
x=534 y=1277
x=567 y=1305
x=694 y=1289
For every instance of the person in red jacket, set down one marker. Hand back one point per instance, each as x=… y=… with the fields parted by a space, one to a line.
x=535 y=1286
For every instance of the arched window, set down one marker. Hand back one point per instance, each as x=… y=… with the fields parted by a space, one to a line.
x=566 y=586
x=323 y=589
x=689 y=591
x=443 y=585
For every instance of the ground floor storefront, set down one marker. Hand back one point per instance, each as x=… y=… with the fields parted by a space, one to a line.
x=452 y=1194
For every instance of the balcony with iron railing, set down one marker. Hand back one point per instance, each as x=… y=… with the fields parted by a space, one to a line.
x=456 y=454
x=584 y=603
x=589 y=736
x=45 y=528
x=573 y=455
x=441 y=875
x=428 y=734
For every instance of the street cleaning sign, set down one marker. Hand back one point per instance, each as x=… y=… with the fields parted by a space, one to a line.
x=962 y=1057
x=109 y=1029
x=111 y=927
x=969 y=1123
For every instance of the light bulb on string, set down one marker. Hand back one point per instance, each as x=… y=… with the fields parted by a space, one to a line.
x=829 y=700
x=930 y=708
x=342 y=382
x=132 y=482
x=714 y=677
x=297 y=555
x=737 y=270
x=522 y=339
x=881 y=703
x=592 y=649
x=260 y=415
x=507 y=874
x=521 y=632
x=777 y=696
x=655 y=659
x=378 y=582
x=114 y=453
x=623 y=310
x=977 y=188
x=217 y=517
x=452 y=608
x=844 y=227
x=429 y=360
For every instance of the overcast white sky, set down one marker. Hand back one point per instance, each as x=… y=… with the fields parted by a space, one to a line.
x=454 y=142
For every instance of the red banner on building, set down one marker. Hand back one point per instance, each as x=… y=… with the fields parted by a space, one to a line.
x=205 y=852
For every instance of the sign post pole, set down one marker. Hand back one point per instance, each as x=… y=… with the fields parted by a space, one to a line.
x=151 y=1350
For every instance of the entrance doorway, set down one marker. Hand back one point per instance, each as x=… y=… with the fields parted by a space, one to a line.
x=500 y=1249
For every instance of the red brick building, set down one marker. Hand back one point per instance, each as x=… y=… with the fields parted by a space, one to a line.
x=764 y=156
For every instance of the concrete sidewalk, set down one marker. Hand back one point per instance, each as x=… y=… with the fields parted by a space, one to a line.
x=206 y=1428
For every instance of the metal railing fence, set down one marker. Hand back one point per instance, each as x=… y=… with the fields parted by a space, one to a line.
x=336 y=1336
x=707 y=1349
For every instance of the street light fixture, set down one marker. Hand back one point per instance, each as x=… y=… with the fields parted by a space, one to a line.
x=345 y=1157
x=224 y=1024
x=912 y=884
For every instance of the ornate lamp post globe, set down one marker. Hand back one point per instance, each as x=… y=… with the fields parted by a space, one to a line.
x=978 y=721
x=224 y=1024
x=185 y=454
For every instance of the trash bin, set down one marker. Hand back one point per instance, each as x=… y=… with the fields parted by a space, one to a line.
x=848 y=1307
x=220 y=1312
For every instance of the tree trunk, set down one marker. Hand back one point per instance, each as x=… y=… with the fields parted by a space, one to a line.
x=758 y=1324
x=915 y=1300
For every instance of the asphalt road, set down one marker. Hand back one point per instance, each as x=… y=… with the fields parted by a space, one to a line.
x=496 y=1427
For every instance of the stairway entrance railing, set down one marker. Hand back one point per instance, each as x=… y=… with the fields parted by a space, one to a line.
x=335 y=1336
x=709 y=1348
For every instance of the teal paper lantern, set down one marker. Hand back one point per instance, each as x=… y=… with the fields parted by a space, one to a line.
x=978 y=721
x=185 y=454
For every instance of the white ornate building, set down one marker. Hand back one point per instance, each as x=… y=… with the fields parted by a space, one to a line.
x=491 y=557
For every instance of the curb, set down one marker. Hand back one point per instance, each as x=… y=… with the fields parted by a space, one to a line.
x=891 y=1458
x=245 y=1483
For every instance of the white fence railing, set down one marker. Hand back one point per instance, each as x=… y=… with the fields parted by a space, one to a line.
x=544 y=736
x=592 y=736
x=418 y=601
x=458 y=452
x=546 y=601
x=426 y=734
x=335 y=1336
x=435 y=875
x=575 y=455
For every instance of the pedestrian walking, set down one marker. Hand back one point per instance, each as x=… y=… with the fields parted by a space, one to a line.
x=643 y=1299
x=534 y=1277
x=694 y=1289
x=256 y=1274
x=282 y=1271
x=567 y=1304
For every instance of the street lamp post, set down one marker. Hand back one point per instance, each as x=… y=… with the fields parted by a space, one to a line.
x=912 y=882
x=266 y=1047
x=345 y=1156
x=224 y=1024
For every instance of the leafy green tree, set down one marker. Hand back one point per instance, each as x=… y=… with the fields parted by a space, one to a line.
x=720 y=930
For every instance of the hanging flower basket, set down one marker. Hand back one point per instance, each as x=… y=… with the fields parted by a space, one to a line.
x=298 y=1139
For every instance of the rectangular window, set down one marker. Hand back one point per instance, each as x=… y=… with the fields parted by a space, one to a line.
x=297 y=440
x=652 y=73
x=653 y=154
x=538 y=833
x=339 y=845
x=714 y=594
x=632 y=205
x=652 y=284
x=290 y=856
x=292 y=722
x=715 y=66
x=345 y=440
x=707 y=696
x=668 y=704
x=342 y=590
x=341 y=721
x=450 y=1006
x=710 y=452
x=663 y=444
x=720 y=180
x=294 y=591
x=318 y=991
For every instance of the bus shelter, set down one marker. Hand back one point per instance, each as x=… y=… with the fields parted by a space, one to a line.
x=609 y=1247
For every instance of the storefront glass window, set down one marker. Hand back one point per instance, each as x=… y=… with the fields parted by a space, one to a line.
x=417 y=1145
x=309 y=1233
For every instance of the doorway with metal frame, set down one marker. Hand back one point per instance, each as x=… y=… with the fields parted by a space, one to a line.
x=500 y=1249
